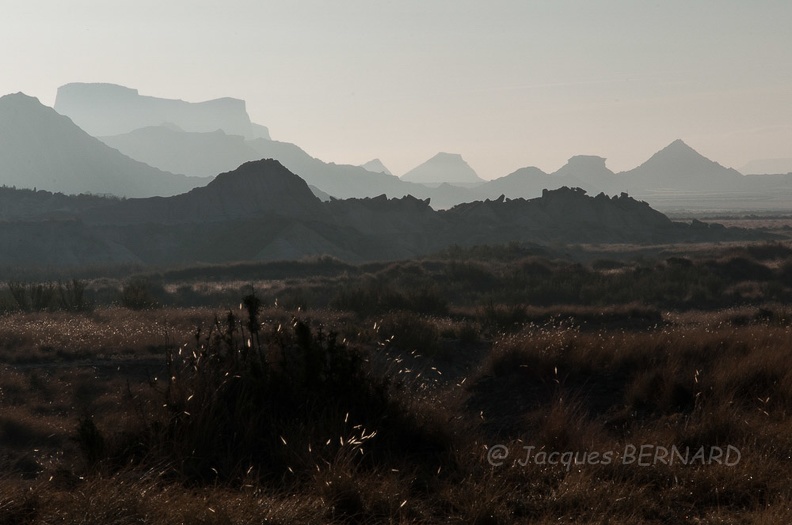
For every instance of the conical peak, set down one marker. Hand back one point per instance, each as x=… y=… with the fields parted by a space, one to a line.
x=376 y=166
x=679 y=146
x=443 y=167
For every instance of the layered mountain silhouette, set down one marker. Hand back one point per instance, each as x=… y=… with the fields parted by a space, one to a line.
x=204 y=154
x=109 y=109
x=443 y=167
x=263 y=211
x=676 y=177
x=40 y=148
x=376 y=166
x=201 y=154
x=588 y=172
x=203 y=139
x=678 y=167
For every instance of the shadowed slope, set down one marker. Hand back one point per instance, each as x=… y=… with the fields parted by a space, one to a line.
x=41 y=149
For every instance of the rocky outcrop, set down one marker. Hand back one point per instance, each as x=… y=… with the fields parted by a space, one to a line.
x=263 y=211
x=569 y=215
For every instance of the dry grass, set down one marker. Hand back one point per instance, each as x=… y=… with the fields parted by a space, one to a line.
x=102 y=333
x=558 y=379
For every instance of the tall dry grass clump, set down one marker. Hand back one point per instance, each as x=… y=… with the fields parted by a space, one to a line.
x=277 y=402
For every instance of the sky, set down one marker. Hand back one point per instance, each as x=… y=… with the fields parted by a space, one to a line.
x=505 y=83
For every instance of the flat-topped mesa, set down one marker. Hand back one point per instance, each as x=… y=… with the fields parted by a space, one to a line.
x=109 y=109
x=585 y=168
x=587 y=162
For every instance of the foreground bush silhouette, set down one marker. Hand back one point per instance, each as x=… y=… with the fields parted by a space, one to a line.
x=278 y=404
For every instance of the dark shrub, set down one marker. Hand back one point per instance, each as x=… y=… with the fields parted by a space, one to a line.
x=409 y=331
x=139 y=293
x=276 y=406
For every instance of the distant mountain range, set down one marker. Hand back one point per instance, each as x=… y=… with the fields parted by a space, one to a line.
x=205 y=154
x=109 y=109
x=41 y=149
x=262 y=211
x=376 y=166
x=676 y=177
x=180 y=145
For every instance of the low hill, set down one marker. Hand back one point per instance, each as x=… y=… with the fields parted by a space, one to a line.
x=253 y=190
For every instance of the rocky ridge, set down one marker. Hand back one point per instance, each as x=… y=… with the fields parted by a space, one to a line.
x=263 y=211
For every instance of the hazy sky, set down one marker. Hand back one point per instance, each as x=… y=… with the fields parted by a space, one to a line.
x=506 y=83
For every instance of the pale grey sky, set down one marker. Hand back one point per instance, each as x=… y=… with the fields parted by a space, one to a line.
x=506 y=83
